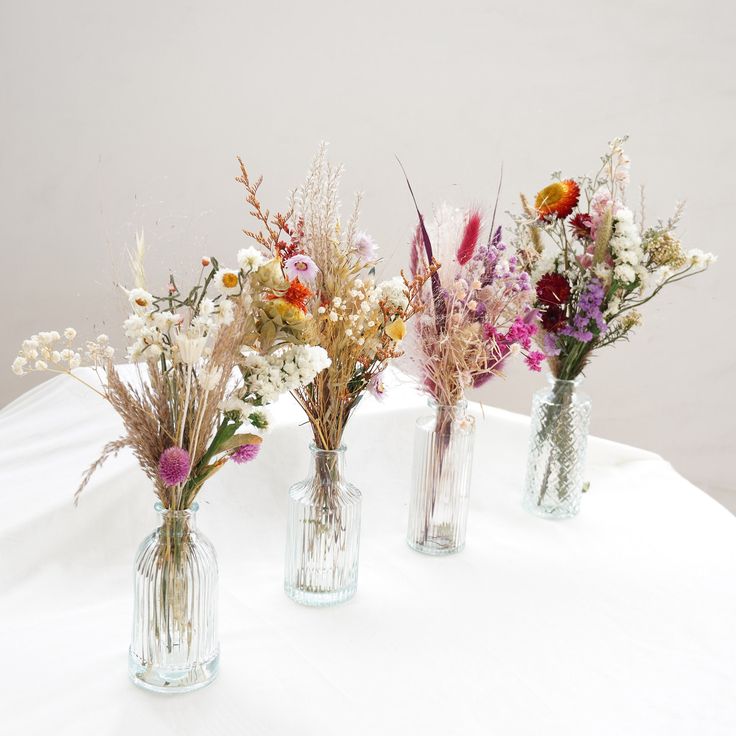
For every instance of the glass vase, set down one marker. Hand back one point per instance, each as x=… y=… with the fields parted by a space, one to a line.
x=323 y=533
x=559 y=437
x=174 y=646
x=443 y=457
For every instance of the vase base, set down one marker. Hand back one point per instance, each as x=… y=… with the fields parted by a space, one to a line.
x=550 y=512
x=319 y=599
x=436 y=547
x=172 y=679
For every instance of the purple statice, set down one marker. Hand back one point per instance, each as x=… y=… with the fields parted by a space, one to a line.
x=550 y=344
x=173 y=466
x=588 y=315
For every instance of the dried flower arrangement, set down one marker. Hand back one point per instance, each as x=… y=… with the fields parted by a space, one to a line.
x=477 y=310
x=184 y=416
x=593 y=264
x=323 y=273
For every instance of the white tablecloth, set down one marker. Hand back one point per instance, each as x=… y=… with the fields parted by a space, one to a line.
x=619 y=622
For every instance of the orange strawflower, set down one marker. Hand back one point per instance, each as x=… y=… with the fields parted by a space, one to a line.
x=296 y=295
x=557 y=199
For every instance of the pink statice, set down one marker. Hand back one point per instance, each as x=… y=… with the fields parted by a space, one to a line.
x=534 y=360
x=173 y=466
x=301 y=267
x=245 y=453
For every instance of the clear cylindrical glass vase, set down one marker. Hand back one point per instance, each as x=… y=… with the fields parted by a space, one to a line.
x=323 y=534
x=557 y=445
x=174 y=646
x=443 y=458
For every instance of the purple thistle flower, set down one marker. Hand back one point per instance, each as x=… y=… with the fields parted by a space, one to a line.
x=173 y=466
x=245 y=453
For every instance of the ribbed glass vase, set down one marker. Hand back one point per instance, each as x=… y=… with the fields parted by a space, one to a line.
x=174 y=646
x=323 y=534
x=557 y=445
x=443 y=458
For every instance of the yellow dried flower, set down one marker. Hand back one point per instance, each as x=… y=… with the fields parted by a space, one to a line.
x=396 y=330
x=630 y=320
x=665 y=250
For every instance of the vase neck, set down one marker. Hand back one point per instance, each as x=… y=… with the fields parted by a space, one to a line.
x=327 y=463
x=560 y=383
x=177 y=521
x=457 y=410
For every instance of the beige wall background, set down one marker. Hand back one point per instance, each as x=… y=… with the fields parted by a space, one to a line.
x=117 y=116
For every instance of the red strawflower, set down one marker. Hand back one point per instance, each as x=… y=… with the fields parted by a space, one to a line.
x=553 y=288
x=581 y=226
x=553 y=318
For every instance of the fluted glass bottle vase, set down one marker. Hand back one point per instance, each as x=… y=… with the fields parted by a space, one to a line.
x=323 y=533
x=557 y=446
x=443 y=457
x=174 y=646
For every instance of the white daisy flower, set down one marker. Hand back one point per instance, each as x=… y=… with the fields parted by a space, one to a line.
x=227 y=281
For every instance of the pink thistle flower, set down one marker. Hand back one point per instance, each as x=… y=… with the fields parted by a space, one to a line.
x=173 y=466
x=245 y=453
x=301 y=267
x=366 y=247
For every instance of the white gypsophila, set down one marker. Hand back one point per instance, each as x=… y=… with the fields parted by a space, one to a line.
x=237 y=406
x=19 y=365
x=393 y=292
x=602 y=271
x=625 y=273
x=613 y=306
x=250 y=259
x=98 y=351
x=134 y=326
x=697 y=257
x=164 y=321
x=626 y=247
x=141 y=301
x=70 y=333
x=225 y=314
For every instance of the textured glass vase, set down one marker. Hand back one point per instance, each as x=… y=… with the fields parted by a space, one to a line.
x=557 y=445
x=323 y=533
x=174 y=646
x=443 y=457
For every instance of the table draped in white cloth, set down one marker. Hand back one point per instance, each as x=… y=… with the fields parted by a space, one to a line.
x=621 y=621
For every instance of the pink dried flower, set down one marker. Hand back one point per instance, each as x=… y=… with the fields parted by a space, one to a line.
x=534 y=361
x=377 y=387
x=366 y=247
x=245 y=453
x=301 y=267
x=173 y=466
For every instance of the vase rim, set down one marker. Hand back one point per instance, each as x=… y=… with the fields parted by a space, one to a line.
x=572 y=381
x=459 y=404
x=161 y=509
x=338 y=451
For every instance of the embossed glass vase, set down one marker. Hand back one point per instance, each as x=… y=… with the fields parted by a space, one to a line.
x=323 y=533
x=557 y=445
x=174 y=646
x=443 y=457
